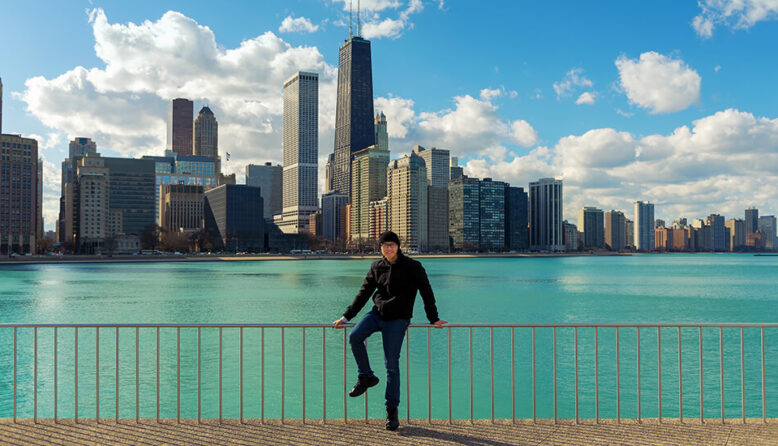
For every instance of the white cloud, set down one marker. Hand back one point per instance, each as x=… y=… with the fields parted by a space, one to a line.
x=400 y=115
x=717 y=68
x=523 y=134
x=296 y=25
x=472 y=126
x=586 y=98
x=718 y=164
x=374 y=25
x=573 y=80
x=735 y=14
x=389 y=28
x=122 y=104
x=658 y=83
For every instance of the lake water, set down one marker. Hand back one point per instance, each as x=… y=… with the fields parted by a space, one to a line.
x=632 y=289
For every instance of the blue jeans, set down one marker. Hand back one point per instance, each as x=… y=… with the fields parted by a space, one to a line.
x=392 y=333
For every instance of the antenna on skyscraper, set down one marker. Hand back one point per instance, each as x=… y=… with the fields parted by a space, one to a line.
x=358 y=31
x=350 y=18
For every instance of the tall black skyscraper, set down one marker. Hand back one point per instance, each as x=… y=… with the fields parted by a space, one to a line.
x=354 y=127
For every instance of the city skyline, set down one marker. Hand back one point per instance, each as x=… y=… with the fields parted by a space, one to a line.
x=671 y=152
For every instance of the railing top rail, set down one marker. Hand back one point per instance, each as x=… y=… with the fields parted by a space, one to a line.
x=453 y=325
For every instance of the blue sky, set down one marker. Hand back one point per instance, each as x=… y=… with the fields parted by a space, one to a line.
x=672 y=102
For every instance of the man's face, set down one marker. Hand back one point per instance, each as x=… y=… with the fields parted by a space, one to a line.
x=389 y=250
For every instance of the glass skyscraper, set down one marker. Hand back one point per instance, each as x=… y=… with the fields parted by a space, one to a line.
x=354 y=126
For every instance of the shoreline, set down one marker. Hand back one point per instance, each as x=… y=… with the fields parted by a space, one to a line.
x=49 y=260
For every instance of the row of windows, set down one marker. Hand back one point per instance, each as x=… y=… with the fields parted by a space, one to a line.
x=15 y=145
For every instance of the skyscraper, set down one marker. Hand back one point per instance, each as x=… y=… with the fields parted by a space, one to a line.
x=718 y=232
x=464 y=224
x=614 y=230
x=333 y=221
x=491 y=215
x=455 y=170
x=179 y=126
x=437 y=162
x=368 y=183
x=752 y=220
x=206 y=136
x=329 y=174
x=407 y=192
x=354 y=124
x=77 y=149
x=644 y=226
x=233 y=214
x=18 y=194
x=591 y=223
x=516 y=203
x=381 y=132
x=301 y=151
x=269 y=179
x=545 y=214
x=737 y=234
x=767 y=229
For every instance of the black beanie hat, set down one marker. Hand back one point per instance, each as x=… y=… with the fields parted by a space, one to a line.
x=388 y=236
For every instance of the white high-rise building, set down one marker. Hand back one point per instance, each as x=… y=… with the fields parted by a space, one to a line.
x=407 y=191
x=438 y=164
x=644 y=226
x=301 y=150
x=545 y=215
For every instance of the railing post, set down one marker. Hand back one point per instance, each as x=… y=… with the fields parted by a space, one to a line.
x=323 y=376
x=303 y=375
x=116 y=415
x=742 y=376
x=157 y=374
x=471 y=376
x=178 y=375
x=555 y=405
x=597 y=375
x=640 y=403
x=220 y=378
x=429 y=376
x=575 y=330
x=137 y=375
x=534 y=401
x=450 y=418
x=491 y=361
x=35 y=377
x=659 y=367
x=55 y=375
x=97 y=374
x=764 y=393
x=618 y=378
x=702 y=393
x=241 y=376
x=14 y=367
x=680 y=378
x=199 y=350
x=513 y=378
x=721 y=365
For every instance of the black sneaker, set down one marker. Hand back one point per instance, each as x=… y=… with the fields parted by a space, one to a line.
x=362 y=385
x=391 y=419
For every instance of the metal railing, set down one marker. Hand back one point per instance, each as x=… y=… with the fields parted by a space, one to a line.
x=571 y=348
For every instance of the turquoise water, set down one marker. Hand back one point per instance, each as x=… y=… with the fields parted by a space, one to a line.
x=661 y=288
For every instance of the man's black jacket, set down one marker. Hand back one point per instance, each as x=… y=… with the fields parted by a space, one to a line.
x=395 y=285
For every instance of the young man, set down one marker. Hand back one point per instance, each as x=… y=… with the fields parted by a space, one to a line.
x=394 y=279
